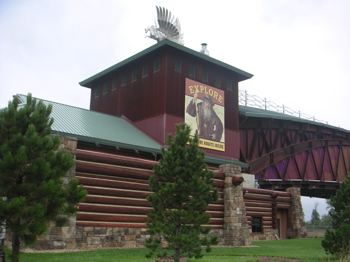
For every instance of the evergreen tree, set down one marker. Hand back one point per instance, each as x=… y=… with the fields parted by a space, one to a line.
x=31 y=174
x=337 y=240
x=315 y=216
x=182 y=187
x=326 y=220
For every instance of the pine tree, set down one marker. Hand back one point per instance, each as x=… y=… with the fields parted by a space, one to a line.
x=326 y=220
x=31 y=174
x=315 y=216
x=337 y=240
x=182 y=187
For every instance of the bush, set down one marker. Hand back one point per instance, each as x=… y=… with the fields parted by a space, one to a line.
x=337 y=241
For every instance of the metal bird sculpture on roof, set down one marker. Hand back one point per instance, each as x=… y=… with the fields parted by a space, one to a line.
x=166 y=27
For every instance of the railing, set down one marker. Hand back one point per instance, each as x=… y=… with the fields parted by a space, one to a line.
x=311 y=228
x=316 y=231
x=246 y=99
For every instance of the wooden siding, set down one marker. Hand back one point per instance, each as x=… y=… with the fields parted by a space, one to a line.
x=155 y=102
x=117 y=189
x=136 y=99
x=160 y=92
x=118 y=186
x=265 y=204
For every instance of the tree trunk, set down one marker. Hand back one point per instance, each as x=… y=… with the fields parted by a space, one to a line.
x=177 y=255
x=15 y=247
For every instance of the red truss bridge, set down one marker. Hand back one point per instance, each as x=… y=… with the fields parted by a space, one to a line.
x=285 y=149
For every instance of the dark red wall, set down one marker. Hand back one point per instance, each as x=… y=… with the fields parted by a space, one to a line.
x=154 y=102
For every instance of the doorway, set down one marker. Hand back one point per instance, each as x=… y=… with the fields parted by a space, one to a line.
x=281 y=223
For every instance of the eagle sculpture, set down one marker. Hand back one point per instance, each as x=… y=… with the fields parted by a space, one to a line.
x=167 y=27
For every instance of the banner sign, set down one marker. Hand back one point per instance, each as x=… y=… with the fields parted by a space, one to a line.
x=205 y=114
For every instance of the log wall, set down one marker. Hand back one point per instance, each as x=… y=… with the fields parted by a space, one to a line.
x=117 y=189
x=115 y=210
x=266 y=204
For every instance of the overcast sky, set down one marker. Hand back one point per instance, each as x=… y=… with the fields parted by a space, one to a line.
x=297 y=50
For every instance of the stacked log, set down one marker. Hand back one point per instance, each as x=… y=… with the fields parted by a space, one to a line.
x=117 y=188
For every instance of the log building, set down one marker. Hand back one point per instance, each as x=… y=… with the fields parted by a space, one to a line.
x=134 y=105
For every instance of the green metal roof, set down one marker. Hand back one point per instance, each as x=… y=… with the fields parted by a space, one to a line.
x=95 y=127
x=262 y=113
x=241 y=75
x=91 y=126
x=224 y=161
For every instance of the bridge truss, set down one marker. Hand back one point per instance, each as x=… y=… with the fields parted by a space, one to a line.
x=286 y=151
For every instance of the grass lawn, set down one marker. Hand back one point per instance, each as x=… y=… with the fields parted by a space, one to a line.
x=308 y=249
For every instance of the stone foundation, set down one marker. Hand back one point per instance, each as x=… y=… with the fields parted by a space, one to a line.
x=86 y=238
x=269 y=234
x=92 y=238
x=219 y=233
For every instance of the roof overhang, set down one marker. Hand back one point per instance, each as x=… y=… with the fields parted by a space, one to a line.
x=224 y=161
x=239 y=74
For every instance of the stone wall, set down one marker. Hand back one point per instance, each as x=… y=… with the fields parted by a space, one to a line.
x=236 y=229
x=268 y=234
x=85 y=238
x=297 y=228
x=69 y=144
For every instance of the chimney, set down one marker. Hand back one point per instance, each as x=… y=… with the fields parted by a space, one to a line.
x=204 y=49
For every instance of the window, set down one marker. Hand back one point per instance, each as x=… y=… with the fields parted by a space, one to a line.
x=105 y=88
x=256 y=224
x=218 y=80
x=205 y=75
x=134 y=76
x=97 y=92
x=192 y=72
x=124 y=80
x=145 y=71
x=114 y=84
x=178 y=65
x=229 y=85
x=157 y=65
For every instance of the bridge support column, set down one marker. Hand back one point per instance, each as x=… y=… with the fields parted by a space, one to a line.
x=236 y=228
x=297 y=228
